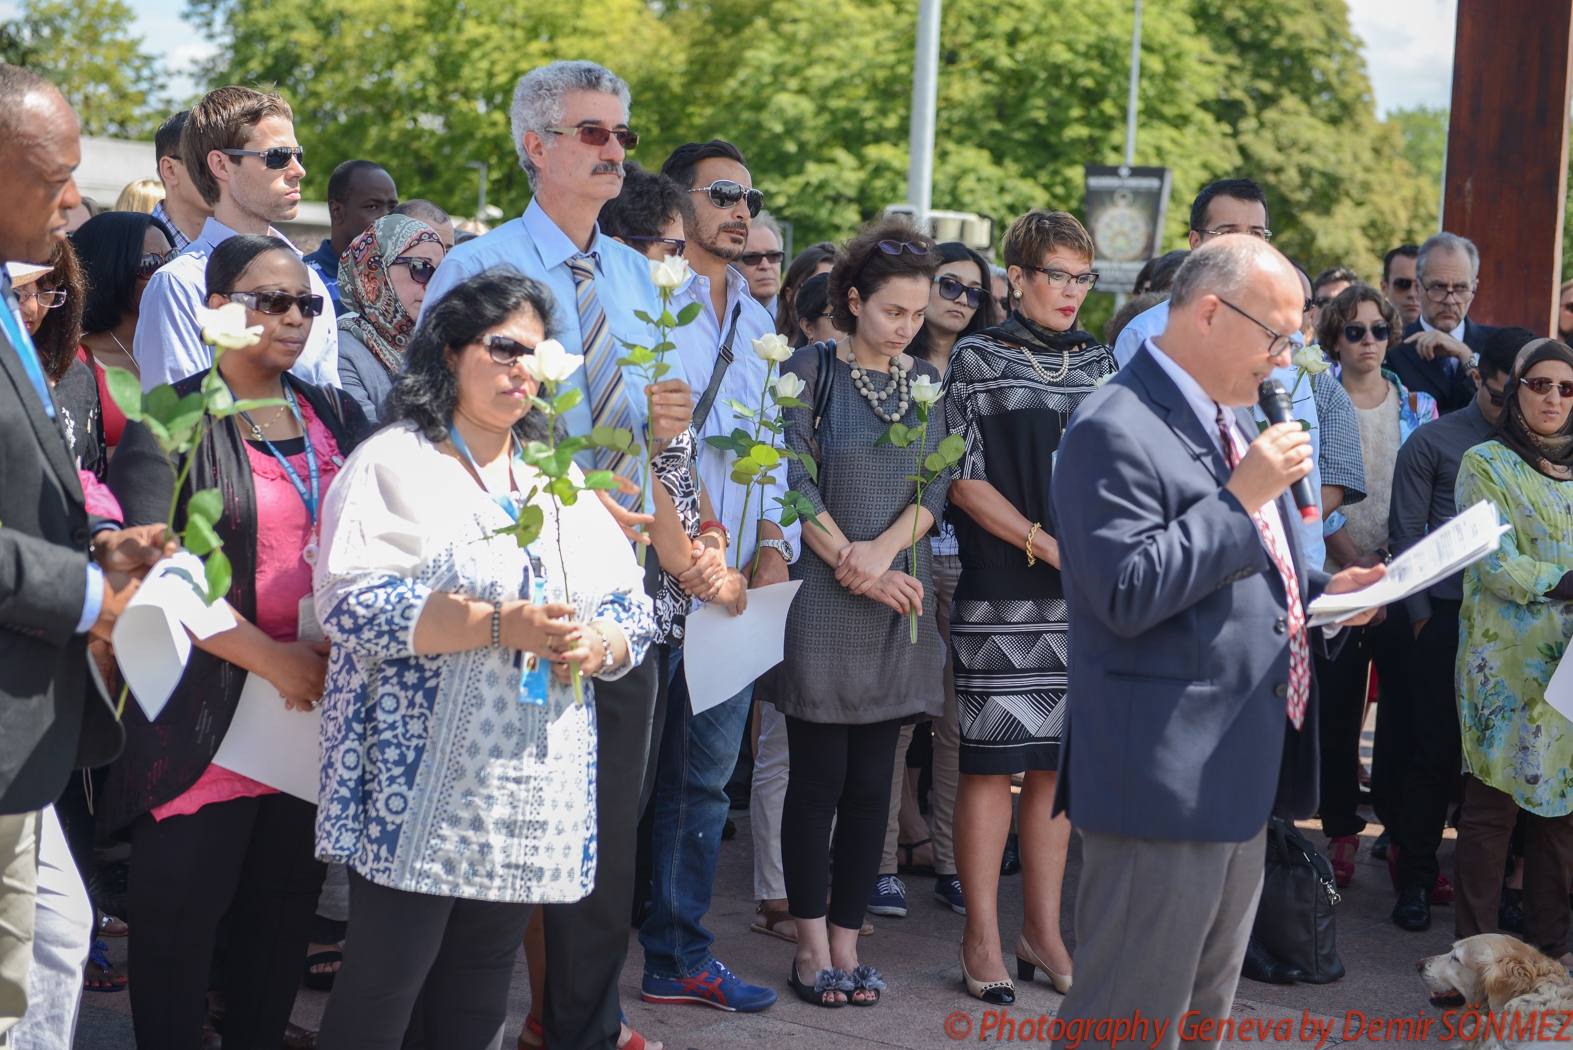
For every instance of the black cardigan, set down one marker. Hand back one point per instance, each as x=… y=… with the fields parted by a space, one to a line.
x=164 y=758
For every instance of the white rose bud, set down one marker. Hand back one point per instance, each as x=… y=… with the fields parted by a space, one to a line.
x=226 y=327
x=924 y=390
x=789 y=385
x=772 y=348
x=1309 y=359
x=551 y=363
x=670 y=273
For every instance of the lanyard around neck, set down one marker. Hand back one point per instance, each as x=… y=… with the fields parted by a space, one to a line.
x=311 y=497
x=502 y=499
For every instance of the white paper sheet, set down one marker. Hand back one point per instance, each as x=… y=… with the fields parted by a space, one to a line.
x=1559 y=691
x=1461 y=542
x=722 y=653
x=150 y=638
x=269 y=742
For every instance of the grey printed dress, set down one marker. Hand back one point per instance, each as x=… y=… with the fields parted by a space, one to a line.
x=1008 y=623
x=850 y=660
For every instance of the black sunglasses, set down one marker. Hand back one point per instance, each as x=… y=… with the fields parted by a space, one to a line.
x=755 y=258
x=150 y=262
x=897 y=247
x=1402 y=284
x=1543 y=386
x=504 y=350
x=276 y=157
x=278 y=302
x=421 y=270
x=950 y=288
x=724 y=193
x=594 y=135
x=677 y=244
x=1354 y=333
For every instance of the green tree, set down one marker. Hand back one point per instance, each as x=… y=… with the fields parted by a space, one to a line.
x=83 y=47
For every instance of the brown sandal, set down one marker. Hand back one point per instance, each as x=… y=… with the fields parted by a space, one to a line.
x=776 y=918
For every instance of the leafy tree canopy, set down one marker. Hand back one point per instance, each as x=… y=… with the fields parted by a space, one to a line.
x=84 y=49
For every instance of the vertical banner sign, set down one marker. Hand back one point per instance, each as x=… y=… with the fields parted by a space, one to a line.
x=1125 y=213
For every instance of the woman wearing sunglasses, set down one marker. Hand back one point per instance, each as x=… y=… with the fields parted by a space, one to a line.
x=1355 y=330
x=1012 y=390
x=451 y=647
x=382 y=284
x=120 y=251
x=1515 y=621
x=208 y=840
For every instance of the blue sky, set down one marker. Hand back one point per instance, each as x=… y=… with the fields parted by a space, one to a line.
x=1408 y=46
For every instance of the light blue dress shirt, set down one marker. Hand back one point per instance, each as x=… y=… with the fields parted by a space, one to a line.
x=169 y=345
x=698 y=346
x=535 y=246
x=1152 y=323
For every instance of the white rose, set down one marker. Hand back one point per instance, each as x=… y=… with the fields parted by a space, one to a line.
x=924 y=390
x=551 y=363
x=772 y=348
x=1309 y=360
x=226 y=327
x=789 y=385
x=670 y=273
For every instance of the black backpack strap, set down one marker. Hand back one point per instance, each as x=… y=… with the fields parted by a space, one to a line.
x=824 y=378
x=723 y=361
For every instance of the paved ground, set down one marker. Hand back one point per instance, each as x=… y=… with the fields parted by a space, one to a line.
x=918 y=957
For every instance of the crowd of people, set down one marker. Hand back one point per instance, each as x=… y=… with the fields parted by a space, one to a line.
x=510 y=755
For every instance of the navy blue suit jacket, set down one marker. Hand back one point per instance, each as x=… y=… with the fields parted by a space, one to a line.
x=1176 y=724
x=1451 y=386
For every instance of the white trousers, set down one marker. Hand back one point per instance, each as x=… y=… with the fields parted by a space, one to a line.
x=771 y=771
x=62 y=937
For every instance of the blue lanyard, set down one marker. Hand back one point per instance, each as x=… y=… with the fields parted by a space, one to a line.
x=22 y=343
x=502 y=499
x=312 y=497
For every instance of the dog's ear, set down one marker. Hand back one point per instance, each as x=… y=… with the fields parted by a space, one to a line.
x=1507 y=978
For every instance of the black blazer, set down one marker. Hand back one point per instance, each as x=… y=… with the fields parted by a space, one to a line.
x=164 y=758
x=53 y=717
x=1451 y=386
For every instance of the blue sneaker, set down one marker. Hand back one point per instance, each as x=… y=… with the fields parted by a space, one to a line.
x=713 y=986
x=947 y=890
x=890 y=897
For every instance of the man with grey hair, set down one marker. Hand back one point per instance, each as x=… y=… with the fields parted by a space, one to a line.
x=1173 y=516
x=1440 y=353
x=761 y=260
x=570 y=127
x=431 y=215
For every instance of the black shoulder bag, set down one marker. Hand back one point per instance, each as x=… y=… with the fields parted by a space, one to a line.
x=1295 y=920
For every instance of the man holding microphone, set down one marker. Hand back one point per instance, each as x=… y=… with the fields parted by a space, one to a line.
x=1192 y=713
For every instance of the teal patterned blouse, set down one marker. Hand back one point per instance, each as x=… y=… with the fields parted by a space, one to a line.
x=1512 y=636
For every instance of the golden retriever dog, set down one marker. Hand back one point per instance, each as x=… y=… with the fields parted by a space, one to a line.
x=1504 y=976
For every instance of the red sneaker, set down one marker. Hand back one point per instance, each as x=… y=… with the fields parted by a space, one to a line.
x=1341 y=851
x=1442 y=893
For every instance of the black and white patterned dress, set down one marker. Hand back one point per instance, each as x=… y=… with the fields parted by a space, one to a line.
x=674 y=470
x=1008 y=624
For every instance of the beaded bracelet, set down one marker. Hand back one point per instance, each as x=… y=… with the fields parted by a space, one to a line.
x=496 y=625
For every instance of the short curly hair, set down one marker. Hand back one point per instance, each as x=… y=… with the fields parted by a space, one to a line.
x=1343 y=309
x=60 y=331
x=1037 y=233
x=864 y=265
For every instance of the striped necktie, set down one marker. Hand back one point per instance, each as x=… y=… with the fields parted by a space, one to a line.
x=609 y=404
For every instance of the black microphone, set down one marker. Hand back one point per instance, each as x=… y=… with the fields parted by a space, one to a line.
x=1276 y=406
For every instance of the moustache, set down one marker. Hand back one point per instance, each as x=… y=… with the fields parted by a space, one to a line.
x=734 y=227
x=609 y=167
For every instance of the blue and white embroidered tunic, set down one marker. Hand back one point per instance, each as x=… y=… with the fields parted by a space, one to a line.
x=435 y=777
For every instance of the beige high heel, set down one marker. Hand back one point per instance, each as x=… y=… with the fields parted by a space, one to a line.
x=999 y=993
x=1027 y=959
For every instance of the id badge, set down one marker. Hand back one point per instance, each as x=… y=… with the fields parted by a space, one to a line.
x=534 y=672
x=307 y=627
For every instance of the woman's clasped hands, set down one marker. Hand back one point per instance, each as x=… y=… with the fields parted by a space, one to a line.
x=863 y=567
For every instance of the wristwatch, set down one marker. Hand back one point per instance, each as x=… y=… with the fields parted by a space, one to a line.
x=1473 y=362
x=781 y=547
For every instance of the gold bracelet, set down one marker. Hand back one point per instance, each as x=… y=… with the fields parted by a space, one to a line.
x=1031 y=535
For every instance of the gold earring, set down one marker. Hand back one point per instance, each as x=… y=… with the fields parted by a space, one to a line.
x=1017 y=293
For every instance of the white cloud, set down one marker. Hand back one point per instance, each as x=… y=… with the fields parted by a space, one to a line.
x=1408 y=50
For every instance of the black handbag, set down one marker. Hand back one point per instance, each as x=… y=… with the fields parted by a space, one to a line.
x=1295 y=919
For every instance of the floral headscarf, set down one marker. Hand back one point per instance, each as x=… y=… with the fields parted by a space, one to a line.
x=376 y=316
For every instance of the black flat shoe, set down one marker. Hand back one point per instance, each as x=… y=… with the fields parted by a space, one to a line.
x=1379 y=847
x=1510 y=913
x=826 y=981
x=1010 y=863
x=1413 y=910
x=866 y=979
x=1262 y=965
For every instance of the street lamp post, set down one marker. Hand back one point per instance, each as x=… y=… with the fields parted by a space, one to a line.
x=925 y=92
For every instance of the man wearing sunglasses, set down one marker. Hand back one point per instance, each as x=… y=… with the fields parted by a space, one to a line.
x=1442 y=347
x=699 y=751
x=1426 y=738
x=240 y=151
x=359 y=193
x=570 y=128
x=762 y=259
x=1399 y=283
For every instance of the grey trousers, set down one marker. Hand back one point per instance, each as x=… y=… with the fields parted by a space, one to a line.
x=1136 y=950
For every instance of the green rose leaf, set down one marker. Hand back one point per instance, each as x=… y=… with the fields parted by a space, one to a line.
x=218 y=573
x=126 y=389
x=688 y=313
x=207 y=505
x=200 y=537
x=159 y=403
x=764 y=455
x=935 y=462
x=567 y=399
x=600 y=479
x=954 y=447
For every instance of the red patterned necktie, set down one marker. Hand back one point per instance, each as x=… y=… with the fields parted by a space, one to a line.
x=1299 y=640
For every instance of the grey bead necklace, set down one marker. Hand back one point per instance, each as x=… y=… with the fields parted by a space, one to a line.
x=896 y=384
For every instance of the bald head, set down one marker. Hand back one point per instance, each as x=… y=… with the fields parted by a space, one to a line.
x=1232 y=300
x=39 y=148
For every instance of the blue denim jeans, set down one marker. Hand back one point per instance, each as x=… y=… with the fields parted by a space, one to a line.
x=698 y=753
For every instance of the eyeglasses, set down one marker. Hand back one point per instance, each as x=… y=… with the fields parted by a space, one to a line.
x=595 y=135
x=724 y=193
x=1280 y=343
x=1322 y=300
x=504 y=350
x=278 y=302
x=675 y=245
x=1403 y=284
x=276 y=158
x=1059 y=278
x=755 y=258
x=1440 y=293
x=1498 y=397
x=421 y=270
x=897 y=247
x=1543 y=386
x=952 y=289
x=48 y=299
x=150 y=262
x=1253 y=231
x=1355 y=333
